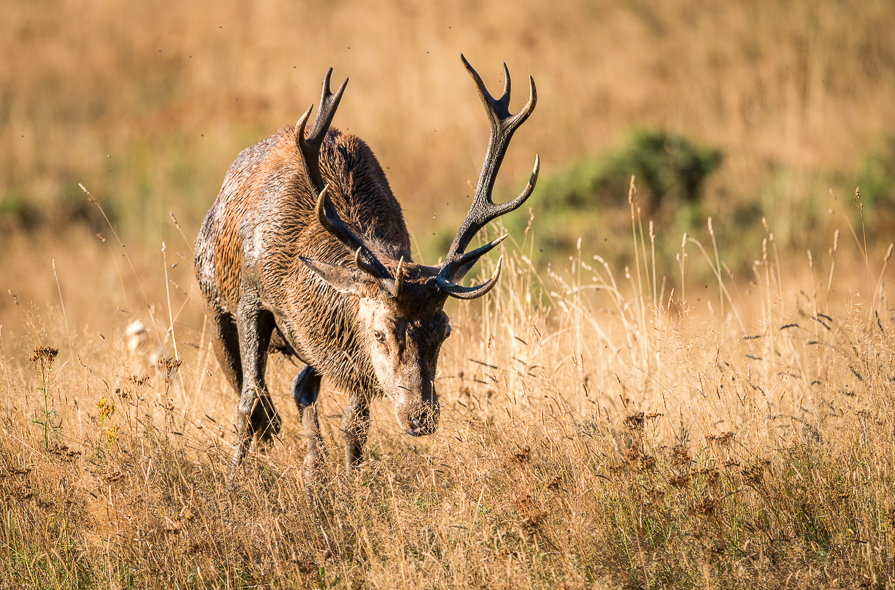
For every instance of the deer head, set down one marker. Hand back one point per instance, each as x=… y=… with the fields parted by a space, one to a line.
x=401 y=320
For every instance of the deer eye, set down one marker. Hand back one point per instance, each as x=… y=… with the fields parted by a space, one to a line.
x=379 y=336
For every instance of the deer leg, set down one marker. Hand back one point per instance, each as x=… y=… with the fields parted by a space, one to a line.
x=355 y=426
x=305 y=388
x=225 y=343
x=256 y=415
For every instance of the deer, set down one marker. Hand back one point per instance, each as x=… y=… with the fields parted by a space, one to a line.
x=305 y=252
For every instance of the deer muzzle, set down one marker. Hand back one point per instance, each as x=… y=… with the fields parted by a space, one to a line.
x=419 y=417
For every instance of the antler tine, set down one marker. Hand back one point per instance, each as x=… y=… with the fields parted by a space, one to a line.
x=310 y=146
x=386 y=283
x=503 y=125
x=450 y=268
x=459 y=292
x=363 y=258
x=399 y=279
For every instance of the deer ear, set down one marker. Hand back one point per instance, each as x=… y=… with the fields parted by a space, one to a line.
x=339 y=278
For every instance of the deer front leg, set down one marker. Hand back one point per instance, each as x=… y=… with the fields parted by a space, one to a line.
x=305 y=389
x=255 y=413
x=355 y=426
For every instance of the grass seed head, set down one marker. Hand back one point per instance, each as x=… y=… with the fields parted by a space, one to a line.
x=680 y=457
x=634 y=422
x=722 y=439
x=681 y=480
x=704 y=507
x=753 y=474
x=43 y=357
x=169 y=366
x=522 y=455
x=44 y=354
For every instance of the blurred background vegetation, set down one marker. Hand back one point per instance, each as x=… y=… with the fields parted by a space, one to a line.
x=733 y=110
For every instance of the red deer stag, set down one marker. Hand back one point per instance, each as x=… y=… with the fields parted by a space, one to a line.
x=305 y=251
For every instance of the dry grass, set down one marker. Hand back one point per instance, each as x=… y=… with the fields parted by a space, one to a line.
x=596 y=432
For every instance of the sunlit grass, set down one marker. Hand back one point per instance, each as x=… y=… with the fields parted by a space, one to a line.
x=598 y=429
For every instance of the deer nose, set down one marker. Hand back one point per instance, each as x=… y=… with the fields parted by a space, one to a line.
x=423 y=419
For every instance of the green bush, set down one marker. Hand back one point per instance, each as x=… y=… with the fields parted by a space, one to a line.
x=668 y=167
x=877 y=180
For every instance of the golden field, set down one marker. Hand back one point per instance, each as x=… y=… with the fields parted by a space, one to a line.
x=594 y=433
x=711 y=414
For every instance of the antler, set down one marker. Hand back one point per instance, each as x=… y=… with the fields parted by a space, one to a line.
x=483 y=209
x=455 y=290
x=364 y=259
x=310 y=146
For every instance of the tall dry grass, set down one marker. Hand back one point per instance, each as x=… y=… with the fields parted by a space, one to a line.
x=148 y=105
x=597 y=431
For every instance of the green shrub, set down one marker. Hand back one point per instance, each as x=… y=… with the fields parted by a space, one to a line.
x=877 y=179
x=668 y=167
